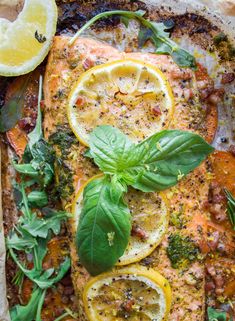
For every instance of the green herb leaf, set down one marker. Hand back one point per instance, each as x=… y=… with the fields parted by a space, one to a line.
x=104 y=226
x=149 y=30
x=40 y=227
x=155 y=164
x=28 y=312
x=26 y=169
x=37 y=199
x=216 y=315
x=24 y=242
x=37 y=133
x=12 y=111
x=230 y=207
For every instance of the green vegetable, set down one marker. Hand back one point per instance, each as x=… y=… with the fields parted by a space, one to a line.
x=104 y=227
x=32 y=309
x=181 y=251
x=149 y=30
x=155 y=164
x=230 y=207
x=216 y=315
x=33 y=231
x=12 y=111
x=37 y=198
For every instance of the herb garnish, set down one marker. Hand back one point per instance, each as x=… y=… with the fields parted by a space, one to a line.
x=230 y=207
x=143 y=166
x=181 y=251
x=216 y=315
x=33 y=231
x=149 y=30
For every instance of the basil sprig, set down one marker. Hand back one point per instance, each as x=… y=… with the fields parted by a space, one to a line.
x=105 y=225
x=230 y=207
x=149 y=30
x=155 y=164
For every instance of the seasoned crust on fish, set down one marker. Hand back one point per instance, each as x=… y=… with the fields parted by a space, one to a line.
x=65 y=64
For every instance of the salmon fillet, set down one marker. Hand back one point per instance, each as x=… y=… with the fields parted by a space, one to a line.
x=64 y=66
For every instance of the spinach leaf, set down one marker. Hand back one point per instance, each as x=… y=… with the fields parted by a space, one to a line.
x=104 y=226
x=12 y=111
x=155 y=164
x=28 y=312
x=216 y=315
x=149 y=30
x=230 y=207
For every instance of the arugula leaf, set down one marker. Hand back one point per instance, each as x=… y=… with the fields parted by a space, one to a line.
x=28 y=312
x=12 y=111
x=216 y=315
x=24 y=242
x=104 y=227
x=230 y=207
x=41 y=227
x=37 y=134
x=37 y=199
x=149 y=30
x=155 y=164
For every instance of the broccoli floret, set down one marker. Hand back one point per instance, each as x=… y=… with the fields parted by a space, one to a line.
x=181 y=251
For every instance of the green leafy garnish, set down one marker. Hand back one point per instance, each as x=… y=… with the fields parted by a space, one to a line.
x=230 y=207
x=33 y=230
x=12 y=111
x=216 y=315
x=181 y=251
x=149 y=30
x=104 y=226
x=155 y=164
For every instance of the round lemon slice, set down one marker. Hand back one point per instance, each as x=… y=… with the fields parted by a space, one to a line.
x=135 y=293
x=129 y=94
x=25 y=42
x=149 y=221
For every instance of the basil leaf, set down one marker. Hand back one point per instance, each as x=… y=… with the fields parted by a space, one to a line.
x=230 y=207
x=37 y=199
x=12 y=111
x=155 y=164
x=149 y=30
x=167 y=157
x=27 y=312
x=111 y=149
x=216 y=315
x=104 y=226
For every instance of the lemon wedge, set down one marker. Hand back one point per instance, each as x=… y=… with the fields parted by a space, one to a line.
x=129 y=94
x=25 y=42
x=134 y=293
x=149 y=221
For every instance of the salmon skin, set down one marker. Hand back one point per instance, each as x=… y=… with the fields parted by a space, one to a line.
x=64 y=66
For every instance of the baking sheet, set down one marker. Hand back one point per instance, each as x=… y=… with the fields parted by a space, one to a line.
x=209 y=8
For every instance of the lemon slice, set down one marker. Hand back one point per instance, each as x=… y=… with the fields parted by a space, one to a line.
x=134 y=294
x=149 y=221
x=129 y=94
x=25 y=42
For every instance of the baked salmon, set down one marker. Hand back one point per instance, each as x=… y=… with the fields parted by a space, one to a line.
x=65 y=64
